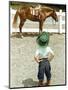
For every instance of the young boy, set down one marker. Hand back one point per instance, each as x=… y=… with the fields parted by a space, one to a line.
x=43 y=56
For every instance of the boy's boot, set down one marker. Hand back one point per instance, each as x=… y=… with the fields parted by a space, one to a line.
x=47 y=83
x=40 y=84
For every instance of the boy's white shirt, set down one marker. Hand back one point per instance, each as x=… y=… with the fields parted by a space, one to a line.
x=42 y=52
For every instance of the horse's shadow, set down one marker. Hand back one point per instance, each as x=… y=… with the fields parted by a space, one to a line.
x=28 y=34
x=29 y=83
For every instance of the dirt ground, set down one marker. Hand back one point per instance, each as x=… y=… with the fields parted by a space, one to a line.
x=23 y=68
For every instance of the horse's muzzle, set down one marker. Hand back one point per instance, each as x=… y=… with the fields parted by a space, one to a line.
x=56 y=19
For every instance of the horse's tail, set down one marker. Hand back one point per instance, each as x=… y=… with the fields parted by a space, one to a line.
x=15 y=20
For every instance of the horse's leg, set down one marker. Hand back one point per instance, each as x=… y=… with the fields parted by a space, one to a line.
x=40 y=26
x=20 y=26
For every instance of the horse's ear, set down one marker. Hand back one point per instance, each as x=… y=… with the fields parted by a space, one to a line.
x=54 y=10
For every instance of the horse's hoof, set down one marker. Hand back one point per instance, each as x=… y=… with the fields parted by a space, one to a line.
x=22 y=36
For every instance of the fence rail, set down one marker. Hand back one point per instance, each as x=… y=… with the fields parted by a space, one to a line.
x=50 y=25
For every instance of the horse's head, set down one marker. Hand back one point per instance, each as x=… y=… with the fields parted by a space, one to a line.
x=49 y=12
x=54 y=15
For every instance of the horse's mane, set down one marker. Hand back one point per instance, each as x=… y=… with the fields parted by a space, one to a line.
x=47 y=8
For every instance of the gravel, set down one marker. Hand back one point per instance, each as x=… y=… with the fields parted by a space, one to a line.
x=23 y=68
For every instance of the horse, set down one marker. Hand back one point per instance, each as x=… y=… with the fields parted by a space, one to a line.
x=36 y=14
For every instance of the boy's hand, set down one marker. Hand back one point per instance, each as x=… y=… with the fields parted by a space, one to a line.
x=37 y=59
x=50 y=56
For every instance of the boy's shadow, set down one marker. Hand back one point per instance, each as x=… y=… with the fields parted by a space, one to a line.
x=30 y=83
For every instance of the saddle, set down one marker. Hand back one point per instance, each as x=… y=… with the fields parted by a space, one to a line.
x=35 y=11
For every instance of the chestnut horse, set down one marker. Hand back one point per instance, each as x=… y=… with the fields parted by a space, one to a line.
x=37 y=14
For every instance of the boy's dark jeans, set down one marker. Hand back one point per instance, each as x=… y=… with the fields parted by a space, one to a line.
x=44 y=68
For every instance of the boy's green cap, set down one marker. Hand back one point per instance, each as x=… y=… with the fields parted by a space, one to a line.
x=43 y=39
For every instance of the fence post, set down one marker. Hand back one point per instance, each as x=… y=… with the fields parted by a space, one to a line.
x=60 y=21
x=11 y=21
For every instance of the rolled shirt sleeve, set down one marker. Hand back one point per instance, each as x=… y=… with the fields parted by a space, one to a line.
x=50 y=50
x=37 y=53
